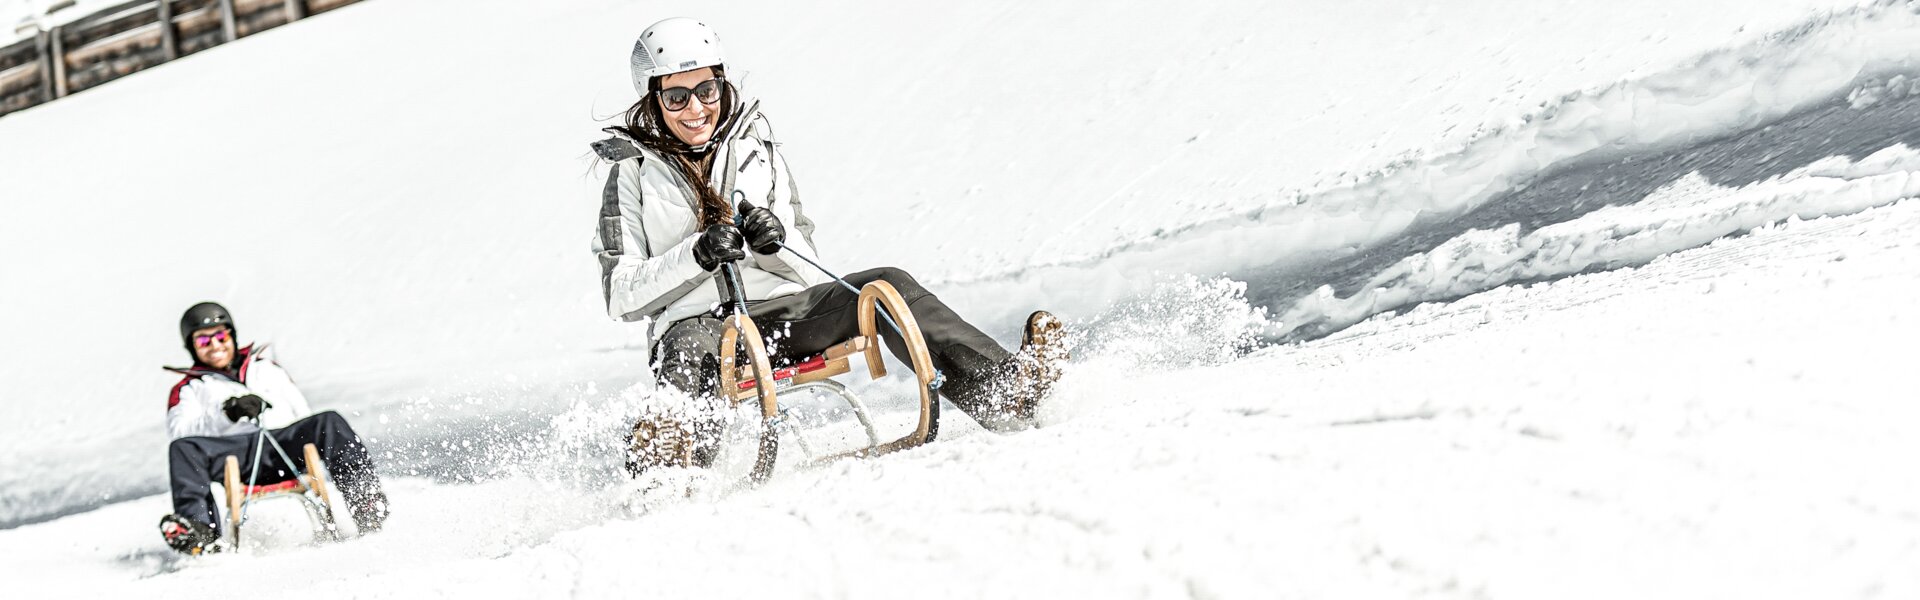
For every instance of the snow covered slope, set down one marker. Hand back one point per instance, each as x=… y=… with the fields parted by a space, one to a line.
x=412 y=237
x=1725 y=421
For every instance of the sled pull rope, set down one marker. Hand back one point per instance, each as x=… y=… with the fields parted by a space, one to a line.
x=741 y=208
x=253 y=475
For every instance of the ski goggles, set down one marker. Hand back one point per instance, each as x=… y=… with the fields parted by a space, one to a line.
x=202 y=341
x=676 y=98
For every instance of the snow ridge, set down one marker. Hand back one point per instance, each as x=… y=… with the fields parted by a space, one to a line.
x=1722 y=92
x=1686 y=214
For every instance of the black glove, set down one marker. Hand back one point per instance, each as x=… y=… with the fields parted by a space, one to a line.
x=763 y=230
x=720 y=243
x=244 y=407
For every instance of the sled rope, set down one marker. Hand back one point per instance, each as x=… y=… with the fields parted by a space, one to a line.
x=253 y=474
x=939 y=378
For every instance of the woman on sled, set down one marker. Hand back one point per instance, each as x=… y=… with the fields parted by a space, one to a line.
x=689 y=151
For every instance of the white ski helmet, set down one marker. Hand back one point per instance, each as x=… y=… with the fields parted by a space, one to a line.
x=671 y=46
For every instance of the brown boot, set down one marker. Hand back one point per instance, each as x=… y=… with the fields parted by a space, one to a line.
x=1043 y=351
x=659 y=441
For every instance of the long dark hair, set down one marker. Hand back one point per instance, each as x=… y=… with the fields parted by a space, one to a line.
x=646 y=123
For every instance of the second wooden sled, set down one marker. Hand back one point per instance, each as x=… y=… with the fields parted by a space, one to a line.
x=308 y=487
x=747 y=375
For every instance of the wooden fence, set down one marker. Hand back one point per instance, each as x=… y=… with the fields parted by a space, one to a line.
x=129 y=37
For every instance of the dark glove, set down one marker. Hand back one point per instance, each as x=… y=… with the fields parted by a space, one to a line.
x=763 y=231
x=244 y=407
x=720 y=243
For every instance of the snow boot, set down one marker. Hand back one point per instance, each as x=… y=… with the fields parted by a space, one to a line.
x=1043 y=351
x=659 y=441
x=369 y=512
x=187 y=536
x=1005 y=396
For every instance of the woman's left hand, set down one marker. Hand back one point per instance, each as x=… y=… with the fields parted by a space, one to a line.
x=763 y=230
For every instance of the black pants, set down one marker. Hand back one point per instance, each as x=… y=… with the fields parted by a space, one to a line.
x=803 y=324
x=195 y=462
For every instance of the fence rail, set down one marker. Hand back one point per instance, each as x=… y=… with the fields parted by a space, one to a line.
x=124 y=39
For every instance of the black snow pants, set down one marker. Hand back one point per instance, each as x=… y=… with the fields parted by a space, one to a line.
x=800 y=325
x=195 y=462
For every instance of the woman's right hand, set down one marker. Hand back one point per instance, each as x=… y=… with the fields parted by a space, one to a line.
x=720 y=243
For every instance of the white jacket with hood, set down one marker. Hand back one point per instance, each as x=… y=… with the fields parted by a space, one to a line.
x=649 y=221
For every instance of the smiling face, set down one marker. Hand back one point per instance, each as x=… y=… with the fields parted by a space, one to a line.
x=692 y=124
x=213 y=346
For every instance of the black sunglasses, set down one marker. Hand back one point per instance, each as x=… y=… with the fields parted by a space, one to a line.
x=676 y=98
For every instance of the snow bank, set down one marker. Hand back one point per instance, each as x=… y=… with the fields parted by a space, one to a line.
x=1686 y=214
x=1860 y=52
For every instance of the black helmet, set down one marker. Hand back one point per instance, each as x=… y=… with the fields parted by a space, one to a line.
x=202 y=316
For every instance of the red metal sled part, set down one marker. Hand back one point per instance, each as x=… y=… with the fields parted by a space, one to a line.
x=291 y=485
x=811 y=364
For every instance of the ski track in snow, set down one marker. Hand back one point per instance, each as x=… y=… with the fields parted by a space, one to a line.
x=1694 y=391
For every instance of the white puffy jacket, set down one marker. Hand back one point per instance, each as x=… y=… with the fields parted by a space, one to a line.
x=648 y=225
x=194 y=405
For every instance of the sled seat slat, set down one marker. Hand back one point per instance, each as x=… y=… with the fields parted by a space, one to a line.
x=826 y=365
x=813 y=369
x=827 y=370
x=846 y=349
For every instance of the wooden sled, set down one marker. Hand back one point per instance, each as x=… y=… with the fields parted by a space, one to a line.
x=309 y=487
x=746 y=375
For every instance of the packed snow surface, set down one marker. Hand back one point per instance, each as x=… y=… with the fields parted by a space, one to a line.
x=1597 y=299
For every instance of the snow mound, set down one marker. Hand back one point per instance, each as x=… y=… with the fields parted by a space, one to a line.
x=1686 y=214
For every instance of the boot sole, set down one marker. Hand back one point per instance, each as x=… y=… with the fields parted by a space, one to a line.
x=1043 y=342
x=658 y=442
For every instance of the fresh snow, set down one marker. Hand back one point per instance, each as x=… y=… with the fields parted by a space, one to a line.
x=1692 y=390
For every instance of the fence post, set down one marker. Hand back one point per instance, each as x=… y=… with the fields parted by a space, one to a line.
x=45 y=45
x=59 y=58
x=226 y=20
x=295 y=11
x=168 y=38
